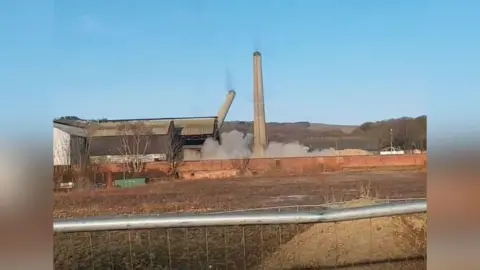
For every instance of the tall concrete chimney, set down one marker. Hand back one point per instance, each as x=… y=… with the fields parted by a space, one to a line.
x=259 y=130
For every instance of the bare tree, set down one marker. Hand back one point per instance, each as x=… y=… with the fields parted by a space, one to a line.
x=241 y=165
x=134 y=145
x=174 y=152
x=80 y=147
x=81 y=151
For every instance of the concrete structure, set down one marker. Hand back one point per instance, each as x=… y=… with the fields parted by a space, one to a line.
x=259 y=127
x=222 y=113
x=194 y=132
x=69 y=144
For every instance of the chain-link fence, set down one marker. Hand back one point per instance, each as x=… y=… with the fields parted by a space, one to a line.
x=379 y=236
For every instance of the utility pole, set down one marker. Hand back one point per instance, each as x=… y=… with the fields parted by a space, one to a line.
x=391 y=139
x=407 y=143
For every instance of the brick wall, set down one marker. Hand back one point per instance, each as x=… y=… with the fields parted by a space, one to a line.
x=279 y=166
x=300 y=165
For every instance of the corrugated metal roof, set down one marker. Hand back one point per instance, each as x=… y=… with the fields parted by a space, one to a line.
x=157 y=127
x=197 y=130
x=101 y=132
x=198 y=126
x=188 y=126
x=116 y=123
x=183 y=122
x=76 y=131
x=157 y=119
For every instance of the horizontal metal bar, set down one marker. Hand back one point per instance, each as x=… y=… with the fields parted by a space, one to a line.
x=324 y=206
x=236 y=219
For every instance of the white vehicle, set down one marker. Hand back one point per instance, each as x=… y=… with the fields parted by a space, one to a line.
x=392 y=151
x=66 y=185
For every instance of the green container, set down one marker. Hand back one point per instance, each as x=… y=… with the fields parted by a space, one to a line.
x=128 y=183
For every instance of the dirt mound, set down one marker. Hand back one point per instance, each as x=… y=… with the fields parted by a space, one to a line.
x=380 y=243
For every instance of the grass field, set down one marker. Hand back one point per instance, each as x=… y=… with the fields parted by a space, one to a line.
x=247 y=247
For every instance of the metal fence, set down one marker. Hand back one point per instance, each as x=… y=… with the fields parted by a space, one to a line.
x=292 y=238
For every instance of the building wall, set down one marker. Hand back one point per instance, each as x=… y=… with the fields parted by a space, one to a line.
x=79 y=150
x=113 y=159
x=148 y=147
x=61 y=147
x=220 y=169
x=295 y=166
x=298 y=165
x=129 y=145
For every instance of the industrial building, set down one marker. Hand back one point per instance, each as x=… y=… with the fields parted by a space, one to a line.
x=191 y=132
x=107 y=140
x=69 y=144
x=114 y=143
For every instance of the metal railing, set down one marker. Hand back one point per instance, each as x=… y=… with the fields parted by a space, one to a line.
x=267 y=239
x=236 y=219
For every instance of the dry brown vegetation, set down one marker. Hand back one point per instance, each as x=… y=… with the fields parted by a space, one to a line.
x=238 y=193
x=248 y=247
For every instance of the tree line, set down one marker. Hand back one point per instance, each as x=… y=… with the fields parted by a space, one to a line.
x=406 y=133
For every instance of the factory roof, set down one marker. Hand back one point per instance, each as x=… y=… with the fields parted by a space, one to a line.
x=187 y=125
x=156 y=119
x=101 y=129
x=70 y=129
x=157 y=126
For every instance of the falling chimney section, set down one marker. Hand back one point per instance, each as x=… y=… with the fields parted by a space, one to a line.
x=222 y=113
x=259 y=130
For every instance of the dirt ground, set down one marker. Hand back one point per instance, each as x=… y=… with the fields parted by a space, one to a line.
x=213 y=248
x=240 y=193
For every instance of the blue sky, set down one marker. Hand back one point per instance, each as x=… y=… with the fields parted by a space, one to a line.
x=328 y=61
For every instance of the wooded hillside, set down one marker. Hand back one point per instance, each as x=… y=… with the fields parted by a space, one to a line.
x=406 y=132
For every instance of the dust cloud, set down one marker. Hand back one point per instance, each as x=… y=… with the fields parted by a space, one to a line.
x=237 y=145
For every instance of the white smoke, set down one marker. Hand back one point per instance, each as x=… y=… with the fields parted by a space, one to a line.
x=295 y=149
x=236 y=145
